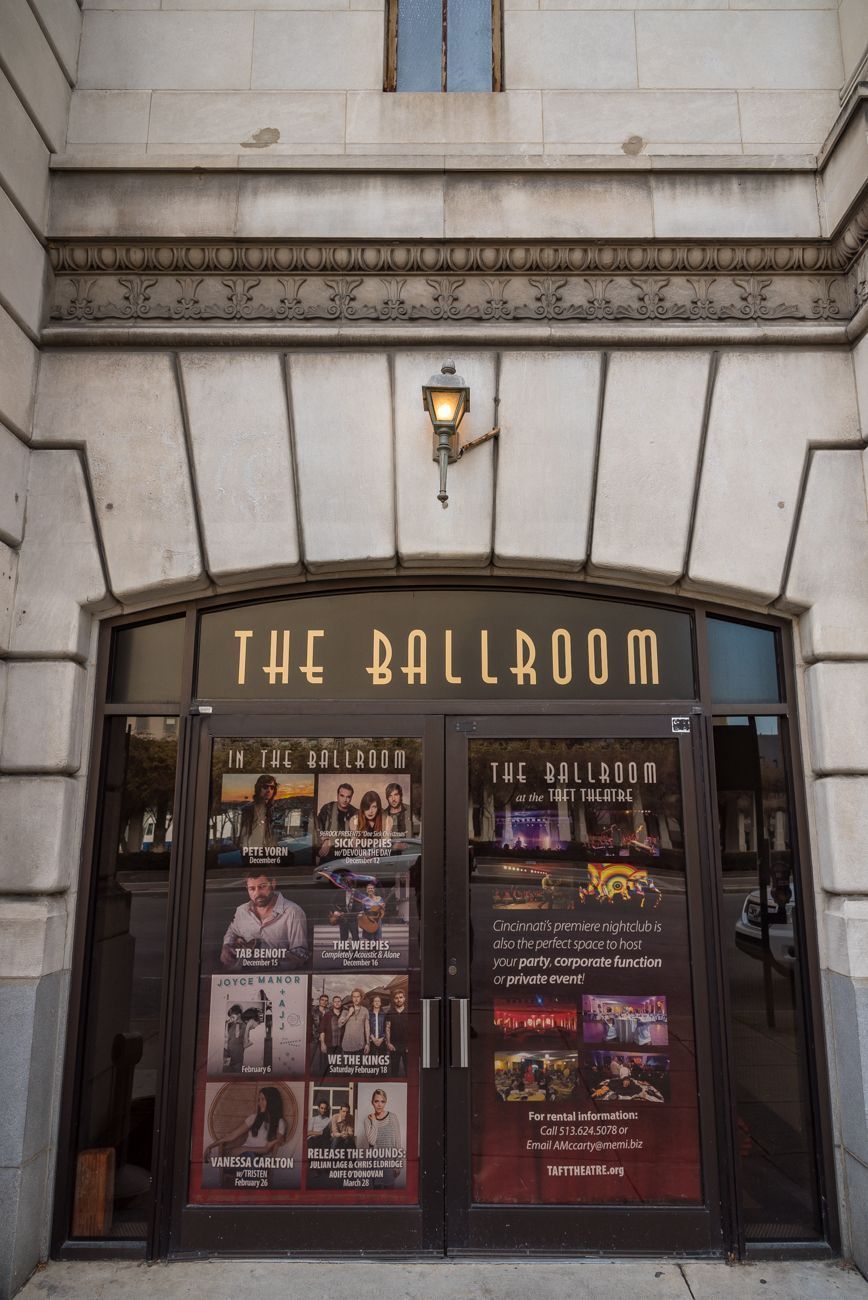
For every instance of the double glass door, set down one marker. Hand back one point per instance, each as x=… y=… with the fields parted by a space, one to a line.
x=444 y=989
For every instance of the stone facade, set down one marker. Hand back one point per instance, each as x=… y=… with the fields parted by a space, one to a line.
x=644 y=257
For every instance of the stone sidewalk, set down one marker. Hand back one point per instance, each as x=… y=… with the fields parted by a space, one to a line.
x=459 y=1280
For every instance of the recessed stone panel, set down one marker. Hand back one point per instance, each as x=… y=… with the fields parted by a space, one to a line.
x=239 y=437
x=60 y=575
x=342 y=429
x=828 y=575
x=766 y=408
x=548 y=411
x=652 y=424
x=127 y=415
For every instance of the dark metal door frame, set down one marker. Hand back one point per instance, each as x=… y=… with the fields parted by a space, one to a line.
x=606 y=1229
x=185 y=1230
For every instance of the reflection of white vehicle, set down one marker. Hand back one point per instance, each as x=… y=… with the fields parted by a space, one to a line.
x=781 y=940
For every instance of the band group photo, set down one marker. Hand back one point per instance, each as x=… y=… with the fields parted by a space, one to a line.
x=359 y=1026
x=357 y=1136
x=328 y=863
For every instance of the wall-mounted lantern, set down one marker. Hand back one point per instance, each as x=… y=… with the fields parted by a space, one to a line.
x=446 y=398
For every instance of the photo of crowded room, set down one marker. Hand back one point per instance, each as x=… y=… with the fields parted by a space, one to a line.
x=535 y=1076
x=626 y=1076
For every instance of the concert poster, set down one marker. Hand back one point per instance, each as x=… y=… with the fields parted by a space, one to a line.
x=309 y=983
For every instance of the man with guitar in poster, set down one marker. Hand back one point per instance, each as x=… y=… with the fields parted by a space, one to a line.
x=363 y=907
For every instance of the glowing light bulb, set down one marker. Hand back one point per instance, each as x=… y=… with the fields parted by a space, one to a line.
x=444 y=411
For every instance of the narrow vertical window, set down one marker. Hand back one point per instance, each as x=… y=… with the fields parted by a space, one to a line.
x=436 y=45
x=121 y=1045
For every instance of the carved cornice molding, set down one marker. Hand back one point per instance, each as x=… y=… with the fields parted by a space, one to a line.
x=416 y=282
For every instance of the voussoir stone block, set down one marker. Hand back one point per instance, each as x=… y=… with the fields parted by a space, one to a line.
x=23 y=157
x=426 y=532
x=828 y=575
x=847 y=936
x=14 y=456
x=8 y=575
x=60 y=575
x=548 y=404
x=42 y=727
x=39 y=818
x=652 y=424
x=62 y=20
x=767 y=407
x=32 y=936
x=342 y=426
x=838 y=716
x=124 y=408
x=18 y=361
x=860 y=370
x=840 y=805
x=32 y=67
x=240 y=442
x=22 y=266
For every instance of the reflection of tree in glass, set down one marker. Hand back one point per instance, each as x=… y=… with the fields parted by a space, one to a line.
x=148 y=791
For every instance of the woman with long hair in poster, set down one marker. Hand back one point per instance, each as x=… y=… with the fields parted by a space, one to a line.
x=371 y=819
x=262 y=1132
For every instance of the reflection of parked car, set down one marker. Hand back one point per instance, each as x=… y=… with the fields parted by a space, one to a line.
x=403 y=856
x=781 y=943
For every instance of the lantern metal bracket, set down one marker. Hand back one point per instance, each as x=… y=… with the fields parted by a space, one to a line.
x=477 y=442
x=446 y=453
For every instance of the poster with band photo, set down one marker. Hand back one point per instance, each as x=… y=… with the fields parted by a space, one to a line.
x=309 y=972
x=359 y=1026
x=257 y=1025
x=357 y=1137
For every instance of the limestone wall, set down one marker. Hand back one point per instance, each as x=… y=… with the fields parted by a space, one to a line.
x=261 y=78
x=752 y=463
x=38 y=57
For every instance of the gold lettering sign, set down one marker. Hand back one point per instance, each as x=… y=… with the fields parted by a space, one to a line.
x=463 y=644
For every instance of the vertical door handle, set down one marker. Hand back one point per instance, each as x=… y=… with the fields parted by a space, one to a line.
x=459 y=1033
x=430 y=1033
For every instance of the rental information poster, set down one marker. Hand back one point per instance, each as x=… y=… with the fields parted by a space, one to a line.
x=582 y=1039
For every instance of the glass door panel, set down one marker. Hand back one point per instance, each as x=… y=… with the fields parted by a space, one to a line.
x=583 y=1083
x=306 y=1069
